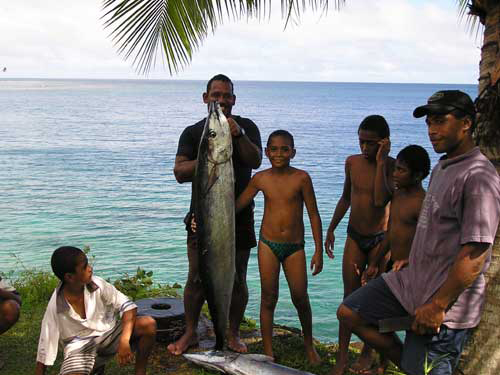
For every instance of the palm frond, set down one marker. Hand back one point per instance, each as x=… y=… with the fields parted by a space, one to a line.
x=467 y=11
x=139 y=28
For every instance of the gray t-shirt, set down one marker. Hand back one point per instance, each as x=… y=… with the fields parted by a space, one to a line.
x=461 y=206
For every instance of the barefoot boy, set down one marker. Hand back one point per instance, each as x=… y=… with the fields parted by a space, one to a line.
x=367 y=223
x=285 y=189
x=81 y=315
x=412 y=166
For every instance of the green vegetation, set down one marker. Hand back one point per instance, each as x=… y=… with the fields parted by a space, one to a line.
x=18 y=346
x=141 y=285
x=429 y=366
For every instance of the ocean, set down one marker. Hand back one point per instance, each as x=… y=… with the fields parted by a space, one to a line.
x=89 y=162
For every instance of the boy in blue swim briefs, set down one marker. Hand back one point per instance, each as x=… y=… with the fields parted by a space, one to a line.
x=285 y=189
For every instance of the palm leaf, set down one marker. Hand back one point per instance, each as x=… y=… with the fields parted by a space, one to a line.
x=472 y=21
x=141 y=28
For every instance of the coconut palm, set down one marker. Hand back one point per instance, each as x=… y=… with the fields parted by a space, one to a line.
x=483 y=353
x=141 y=28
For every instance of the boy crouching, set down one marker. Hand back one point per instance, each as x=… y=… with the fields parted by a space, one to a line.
x=81 y=315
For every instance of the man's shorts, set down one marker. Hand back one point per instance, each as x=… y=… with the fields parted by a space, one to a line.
x=93 y=354
x=244 y=230
x=375 y=301
x=245 y=237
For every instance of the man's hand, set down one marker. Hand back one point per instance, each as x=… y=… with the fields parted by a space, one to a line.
x=124 y=354
x=234 y=127
x=399 y=264
x=317 y=262
x=329 y=242
x=370 y=273
x=428 y=319
x=383 y=150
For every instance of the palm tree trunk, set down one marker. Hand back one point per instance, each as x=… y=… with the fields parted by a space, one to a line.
x=482 y=353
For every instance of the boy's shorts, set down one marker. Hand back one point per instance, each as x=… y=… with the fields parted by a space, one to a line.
x=93 y=354
x=375 y=301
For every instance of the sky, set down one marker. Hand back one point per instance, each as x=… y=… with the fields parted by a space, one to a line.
x=409 y=41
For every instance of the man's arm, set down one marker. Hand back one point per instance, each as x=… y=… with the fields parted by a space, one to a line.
x=184 y=169
x=250 y=154
x=124 y=352
x=382 y=191
x=340 y=210
x=316 y=226
x=248 y=194
x=467 y=267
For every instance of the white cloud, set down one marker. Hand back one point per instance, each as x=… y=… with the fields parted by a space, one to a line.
x=368 y=40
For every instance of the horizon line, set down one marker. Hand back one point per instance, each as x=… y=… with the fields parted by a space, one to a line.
x=235 y=80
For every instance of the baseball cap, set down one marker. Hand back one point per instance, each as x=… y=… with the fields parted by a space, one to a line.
x=445 y=101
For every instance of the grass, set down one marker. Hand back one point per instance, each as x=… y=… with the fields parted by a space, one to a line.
x=18 y=346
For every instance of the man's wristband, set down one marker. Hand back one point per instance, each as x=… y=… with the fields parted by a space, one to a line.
x=242 y=133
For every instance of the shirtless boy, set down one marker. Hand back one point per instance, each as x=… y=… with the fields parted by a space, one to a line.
x=412 y=166
x=285 y=189
x=366 y=227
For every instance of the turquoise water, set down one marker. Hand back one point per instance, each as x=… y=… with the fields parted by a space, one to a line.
x=89 y=162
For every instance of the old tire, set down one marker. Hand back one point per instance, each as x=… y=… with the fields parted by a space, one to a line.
x=168 y=314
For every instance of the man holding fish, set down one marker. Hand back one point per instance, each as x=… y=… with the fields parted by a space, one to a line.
x=246 y=155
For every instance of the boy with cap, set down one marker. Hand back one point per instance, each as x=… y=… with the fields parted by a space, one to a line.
x=443 y=286
x=81 y=315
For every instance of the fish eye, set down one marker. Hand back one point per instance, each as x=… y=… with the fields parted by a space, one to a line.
x=212 y=133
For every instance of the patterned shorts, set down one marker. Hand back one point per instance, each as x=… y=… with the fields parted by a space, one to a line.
x=92 y=354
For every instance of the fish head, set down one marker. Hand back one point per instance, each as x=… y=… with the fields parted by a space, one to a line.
x=218 y=135
x=215 y=360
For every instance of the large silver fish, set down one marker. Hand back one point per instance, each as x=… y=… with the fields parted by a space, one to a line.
x=241 y=364
x=214 y=213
